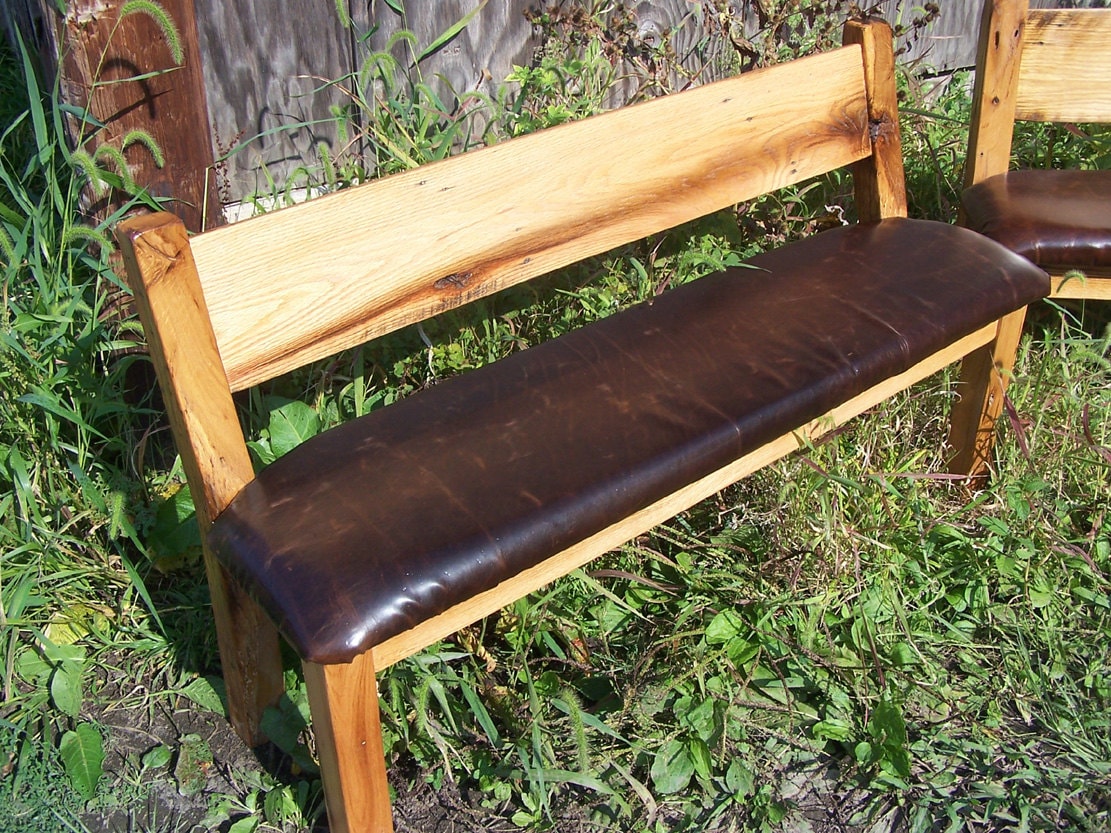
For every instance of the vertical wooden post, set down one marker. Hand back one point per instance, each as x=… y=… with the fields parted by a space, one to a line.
x=878 y=181
x=99 y=51
x=348 y=730
x=172 y=308
x=999 y=53
x=986 y=372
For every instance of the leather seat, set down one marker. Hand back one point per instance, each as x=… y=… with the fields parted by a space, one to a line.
x=385 y=521
x=1059 y=220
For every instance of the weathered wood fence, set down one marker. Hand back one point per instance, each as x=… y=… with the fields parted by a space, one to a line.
x=264 y=65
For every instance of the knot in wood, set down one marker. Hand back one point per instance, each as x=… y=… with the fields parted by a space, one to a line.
x=456 y=280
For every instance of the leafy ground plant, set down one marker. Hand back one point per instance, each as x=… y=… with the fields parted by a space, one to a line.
x=67 y=580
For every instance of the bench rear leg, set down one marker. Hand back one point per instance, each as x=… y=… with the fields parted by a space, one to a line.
x=348 y=730
x=985 y=374
x=250 y=654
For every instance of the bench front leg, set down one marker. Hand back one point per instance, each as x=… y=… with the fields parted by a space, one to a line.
x=985 y=374
x=348 y=730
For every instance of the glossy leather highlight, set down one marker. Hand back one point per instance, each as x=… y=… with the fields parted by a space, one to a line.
x=1057 y=219
x=378 y=524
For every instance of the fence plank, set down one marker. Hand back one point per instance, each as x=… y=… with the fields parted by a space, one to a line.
x=262 y=61
x=264 y=66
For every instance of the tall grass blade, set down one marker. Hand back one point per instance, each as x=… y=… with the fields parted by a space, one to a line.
x=451 y=32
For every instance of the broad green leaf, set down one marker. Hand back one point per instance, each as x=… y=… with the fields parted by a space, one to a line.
x=280 y=806
x=290 y=425
x=82 y=751
x=740 y=779
x=285 y=733
x=831 y=729
x=887 y=723
x=700 y=756
x=175 y=533
x=62 y=653
x=672 y=768
x=31 y=667
x=248 y=824
x=865 y=753
x=75 y=623
x=740 y=651
x=724 y=627
x=701 y=716
x=66 y=689
x=157 y=757
x=208 y=693
x=903 y=655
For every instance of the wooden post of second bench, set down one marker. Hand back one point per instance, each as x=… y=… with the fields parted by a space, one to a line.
x=985 y=373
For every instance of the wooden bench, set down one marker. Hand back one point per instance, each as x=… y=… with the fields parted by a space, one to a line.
x=380 y=537
x=1048 y=65
x=1037 y=65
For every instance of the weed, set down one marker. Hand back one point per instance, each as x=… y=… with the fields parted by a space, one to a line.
x=66 y=574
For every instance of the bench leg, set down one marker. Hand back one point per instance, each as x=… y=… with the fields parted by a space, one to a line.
x=250 y=654
x=348 y=731
x=985 y=374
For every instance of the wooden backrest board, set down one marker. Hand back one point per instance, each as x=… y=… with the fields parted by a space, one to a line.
x=1065 y=72
x=305 y=282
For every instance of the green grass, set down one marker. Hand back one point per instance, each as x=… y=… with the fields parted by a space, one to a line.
x=846 y=616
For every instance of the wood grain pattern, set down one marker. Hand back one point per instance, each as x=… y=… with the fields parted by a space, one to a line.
x=478 y=59
x=1045 y=65
x=37 y=24
x=432 y=630
x=348 y=731
x=1065 y=73
x=183 y=349
x=878 y=180
x=1002 y=31
x=985 y=374
x=102 y=52
x=305 y=282
x=1095 y=285
x=206 y=429
x=256 y=57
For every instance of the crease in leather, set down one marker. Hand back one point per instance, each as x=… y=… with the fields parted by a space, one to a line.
x=381 y=523
x=1056 y=219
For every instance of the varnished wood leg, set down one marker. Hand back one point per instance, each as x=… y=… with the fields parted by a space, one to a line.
x=249 y=654
x=985 y=374
x=348 y=730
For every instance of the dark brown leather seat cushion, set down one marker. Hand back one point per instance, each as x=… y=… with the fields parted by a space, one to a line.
x=381 y=523
x=1057 y=219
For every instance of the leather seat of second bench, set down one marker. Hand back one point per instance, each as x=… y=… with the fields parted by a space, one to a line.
x=1057 y=219
x=383 y=522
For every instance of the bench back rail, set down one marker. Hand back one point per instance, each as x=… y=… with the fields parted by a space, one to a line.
x=303 y=283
